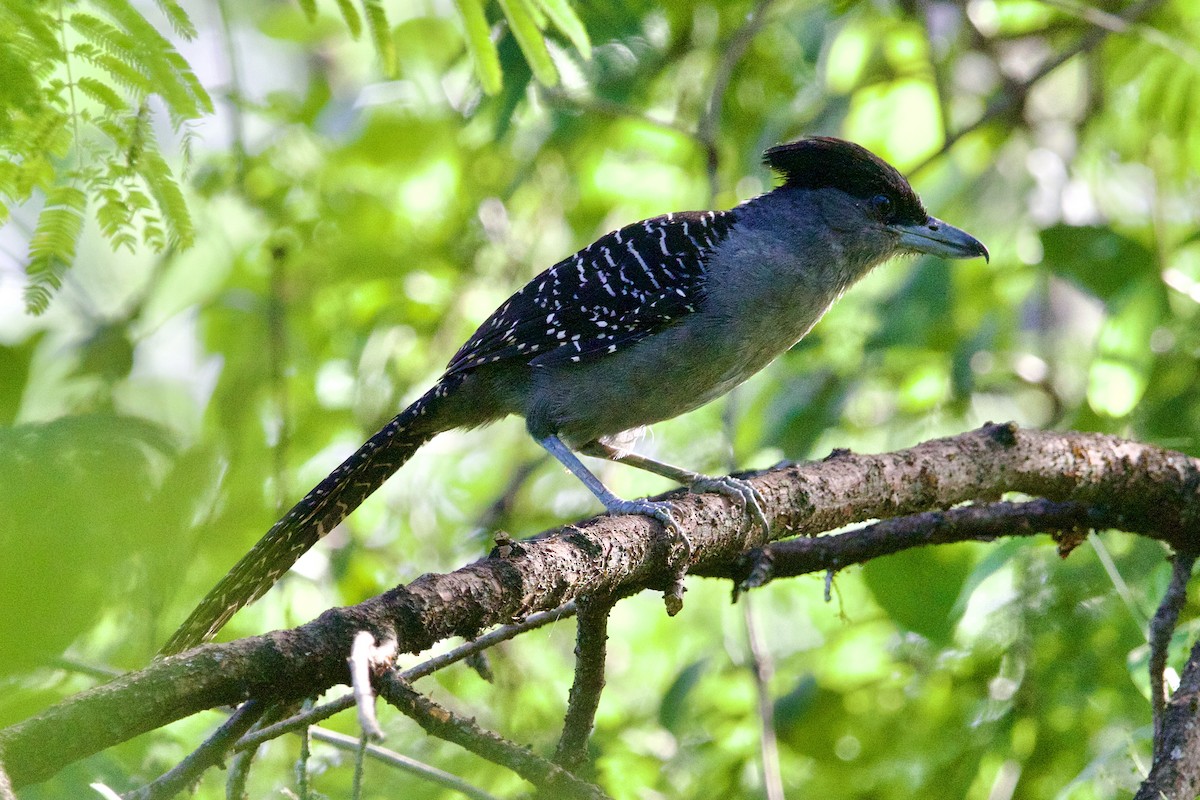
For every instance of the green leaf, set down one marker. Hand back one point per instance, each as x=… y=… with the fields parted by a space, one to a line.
x=381 y=34
x=309 y=7
x=919 y=589
x=1097 y=258
x=52 y=246
x=568 y=22
x=350 y=15
x=480 y=45
x=529 y=39
x=672 y=709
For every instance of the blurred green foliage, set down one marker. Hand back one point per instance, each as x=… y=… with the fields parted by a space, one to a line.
x=354 y=219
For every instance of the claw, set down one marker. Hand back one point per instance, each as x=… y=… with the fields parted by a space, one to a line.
x=661 y=511
x=737 y=489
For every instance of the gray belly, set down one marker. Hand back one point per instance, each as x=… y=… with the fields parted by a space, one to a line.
x=663 y=376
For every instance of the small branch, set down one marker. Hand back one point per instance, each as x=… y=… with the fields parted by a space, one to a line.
x=305 y=756
x=607 y=108
x=209 y=754
x=425 y=772
x=360 y=757
x=239 y=773
x=1161 y=629
x=1176 y=770
x=425 y=668
x=442 y=723
x=762 y=668
x=590 y=651
x=1067 y=522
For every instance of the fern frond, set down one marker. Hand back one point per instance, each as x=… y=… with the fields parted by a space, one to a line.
x=102 y=93
x=52 y=246
x=30 y=21
x=176 y=217
x=127 y=75
x=153 y=55
x=180 y=22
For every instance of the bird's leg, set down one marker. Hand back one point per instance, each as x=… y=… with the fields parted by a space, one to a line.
x=659 y=510
x=734 y=488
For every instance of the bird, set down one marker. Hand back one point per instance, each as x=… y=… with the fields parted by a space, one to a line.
x=646 y=323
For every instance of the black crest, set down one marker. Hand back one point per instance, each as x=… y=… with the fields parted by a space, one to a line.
x=821 y=162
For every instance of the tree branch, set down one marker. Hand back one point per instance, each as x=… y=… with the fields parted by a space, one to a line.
x=1132 y=486
x=1161 y=628
x=590 y=651
x=439 y=722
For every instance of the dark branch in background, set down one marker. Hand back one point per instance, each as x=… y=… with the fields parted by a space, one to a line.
x=1129 y=486
x=440 y=722
x=734 y=49
x=499 y=508
x=590 y=655
x=210 y=754
x=762 y=668
x=1161 y=629
x=1013 y=95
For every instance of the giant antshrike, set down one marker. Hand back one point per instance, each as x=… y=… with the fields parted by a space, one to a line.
x=645 y=323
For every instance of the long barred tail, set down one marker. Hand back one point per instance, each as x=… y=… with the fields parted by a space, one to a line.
x=321 y=509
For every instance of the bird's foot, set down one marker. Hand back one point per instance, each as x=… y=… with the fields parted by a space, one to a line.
x=737 y=489
x=682 y=545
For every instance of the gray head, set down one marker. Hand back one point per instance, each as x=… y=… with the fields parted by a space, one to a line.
x=873 y=201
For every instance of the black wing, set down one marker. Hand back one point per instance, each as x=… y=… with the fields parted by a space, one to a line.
x=621 y=288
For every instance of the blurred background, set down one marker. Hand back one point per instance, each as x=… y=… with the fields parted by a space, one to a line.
x=373 y=180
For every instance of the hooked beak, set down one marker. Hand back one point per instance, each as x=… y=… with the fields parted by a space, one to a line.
x=939 y=239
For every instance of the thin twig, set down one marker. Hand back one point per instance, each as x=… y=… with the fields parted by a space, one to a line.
x=210 y=753
x=239 y=765
x=1161 y=629
x=360 y=756
x=444 y=724
x=762 y=667
x=499 y=508
x=425 y=668
x=734 y=49
x=590 y=649
x=607 y=108
x=402 y=762
x=303 y=791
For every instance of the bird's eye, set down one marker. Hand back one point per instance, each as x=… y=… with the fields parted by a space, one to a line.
x=881 y=204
